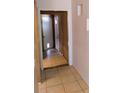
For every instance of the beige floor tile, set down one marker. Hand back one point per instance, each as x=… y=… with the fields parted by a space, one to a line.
x=42 y=91
x=51 y=70
x=51 y=73
x=67 y=78
x=72 y=87
x=53 y=81
x=83 y=84
x=64 y=68
x=73 y=69
x=43 y=85
x=65 y=73
x=78 y=92
x=56 y=89
x=77 y=75
x=86 y=91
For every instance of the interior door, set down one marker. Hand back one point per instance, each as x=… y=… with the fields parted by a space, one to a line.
x=56 y=22
x=47 y=24
x=60 y=35
x=64 y=35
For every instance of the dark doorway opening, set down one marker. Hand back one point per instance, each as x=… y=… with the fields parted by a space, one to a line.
x=54 y=33
x=48 y=32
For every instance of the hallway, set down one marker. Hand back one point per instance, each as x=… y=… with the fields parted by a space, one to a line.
x=64 y=47
x=63 y=79
x=52 y=58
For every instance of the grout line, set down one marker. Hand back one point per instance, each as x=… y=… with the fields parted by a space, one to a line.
x=77 y=79
x=73 y=81
x=45 y=80
x=54 y=85
x=61 y=81
x=79 y=85
x=80 y=79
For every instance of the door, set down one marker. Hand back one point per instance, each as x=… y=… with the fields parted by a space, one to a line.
x=56 y=25
x=47 y=24
x=64 y=35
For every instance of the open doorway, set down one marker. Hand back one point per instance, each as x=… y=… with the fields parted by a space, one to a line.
x=48 y=33
x=54 y=38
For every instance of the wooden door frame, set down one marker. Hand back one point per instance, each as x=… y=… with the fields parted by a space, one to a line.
x=58 y=13
x=37 y=50
x=37 y=54
x=52 y=12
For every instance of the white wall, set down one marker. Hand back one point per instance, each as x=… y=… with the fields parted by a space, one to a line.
x=55 y=4
x=61 y=5
x=80 y=39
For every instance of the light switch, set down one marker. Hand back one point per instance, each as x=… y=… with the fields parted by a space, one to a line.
x=79 y=9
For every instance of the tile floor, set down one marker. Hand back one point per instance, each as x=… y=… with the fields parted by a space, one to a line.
x=63 y=79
